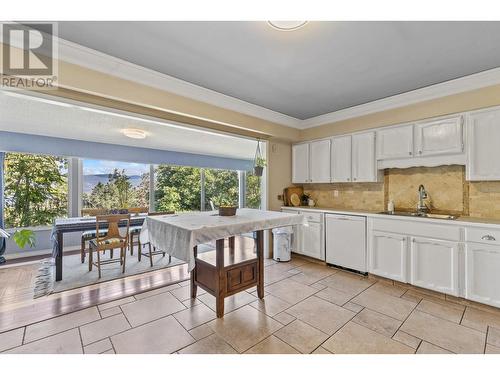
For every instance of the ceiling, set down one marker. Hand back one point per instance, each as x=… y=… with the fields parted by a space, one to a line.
x=41 y=116
x=320 y=68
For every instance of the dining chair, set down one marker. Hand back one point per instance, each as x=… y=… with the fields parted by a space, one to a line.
x=112 y=240
x=135 y=231
x=151 y=249
x=90 y=234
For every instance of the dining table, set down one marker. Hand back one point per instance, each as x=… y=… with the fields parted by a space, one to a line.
x=226 y=270
x=63 y=226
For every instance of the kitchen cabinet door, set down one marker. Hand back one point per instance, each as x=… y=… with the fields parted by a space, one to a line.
x=312 y=243
x=395 y=142
x=341 y=159
x=482 y=278
x=483 y=151
x=300 y=163
x=387 y=255
x=439 y=137
x=320 y=161
x=434 y=265
x=364 y=168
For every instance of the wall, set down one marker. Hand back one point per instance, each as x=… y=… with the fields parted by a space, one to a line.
x=279 y=171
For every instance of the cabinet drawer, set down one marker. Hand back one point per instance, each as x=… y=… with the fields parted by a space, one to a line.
x=313 y=217
x=483 y=235
x=242 y=276
x=419 y=229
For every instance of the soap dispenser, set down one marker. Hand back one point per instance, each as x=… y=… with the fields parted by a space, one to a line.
x=390 y=206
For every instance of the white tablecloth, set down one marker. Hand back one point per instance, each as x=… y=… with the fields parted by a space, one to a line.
x=177 y=235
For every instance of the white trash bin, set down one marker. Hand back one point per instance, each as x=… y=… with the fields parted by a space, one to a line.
x=282 y=246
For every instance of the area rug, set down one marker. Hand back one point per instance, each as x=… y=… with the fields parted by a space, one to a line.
x=76 y=274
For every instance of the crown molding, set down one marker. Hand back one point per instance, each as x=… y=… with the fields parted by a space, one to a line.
x=89 y=58
x=456 y=86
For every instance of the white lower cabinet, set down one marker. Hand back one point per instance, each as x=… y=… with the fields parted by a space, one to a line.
x=434 y=265
x=311 y=238
x=482 y=273
x=388 y=255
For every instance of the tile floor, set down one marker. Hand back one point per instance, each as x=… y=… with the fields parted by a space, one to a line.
x=308 y=308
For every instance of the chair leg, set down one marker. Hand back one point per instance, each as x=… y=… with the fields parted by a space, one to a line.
x=124 y=258
x=139 y=253
x=112 y=251
x=169 y=258
x=82 y=250
x=99 y=262
x=150 y=256
x=91 y=260
x=131 y=245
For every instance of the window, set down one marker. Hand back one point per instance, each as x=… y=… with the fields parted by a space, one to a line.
x=177 y=188
x=221 y=187
x=36 y=189
x=115 y=185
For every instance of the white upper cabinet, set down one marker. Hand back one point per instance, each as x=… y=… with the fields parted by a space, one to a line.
x=439 y=137
x=483 y=145
x=320 y=161
x=341 y=159
x=395 y=142
x=364 y=167
x=300 y=163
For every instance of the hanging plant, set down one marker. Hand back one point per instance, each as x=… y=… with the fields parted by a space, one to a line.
x=259 y=161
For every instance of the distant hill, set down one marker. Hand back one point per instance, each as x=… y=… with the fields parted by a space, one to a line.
x=91 y=180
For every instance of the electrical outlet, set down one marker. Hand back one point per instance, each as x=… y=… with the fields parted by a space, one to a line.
x=280 y=197
x=335 y=193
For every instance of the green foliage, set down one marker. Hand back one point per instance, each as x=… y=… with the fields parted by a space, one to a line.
x=118 y=192
x=253 y=191
x=24 y=237
x=177 y=188
x=36 y=189
x=260 y=162
x=221 y=187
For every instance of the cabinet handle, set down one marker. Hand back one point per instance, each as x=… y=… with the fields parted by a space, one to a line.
x=420 y=152
x=488 y=237
x=348 y=179
x=354 y=178
x=409 y=153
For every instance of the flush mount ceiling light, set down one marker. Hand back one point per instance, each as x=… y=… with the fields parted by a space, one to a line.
x=134 y=133
x=286 y=25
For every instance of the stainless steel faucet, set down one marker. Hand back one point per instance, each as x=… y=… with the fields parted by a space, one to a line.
x=422 y=208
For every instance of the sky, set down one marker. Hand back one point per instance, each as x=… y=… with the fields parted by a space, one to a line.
x=91 y=167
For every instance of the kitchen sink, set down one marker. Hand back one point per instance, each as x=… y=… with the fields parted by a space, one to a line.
x=424 y=215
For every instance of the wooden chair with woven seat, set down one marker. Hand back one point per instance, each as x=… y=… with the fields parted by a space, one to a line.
x=152 y=250
x=90 y=234
x=112 y=240
x=135 y=231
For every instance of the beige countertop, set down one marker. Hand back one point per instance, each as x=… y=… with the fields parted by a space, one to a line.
x=468 y=220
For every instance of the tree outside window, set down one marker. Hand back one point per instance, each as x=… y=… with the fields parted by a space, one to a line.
x=36 y=189
x=115 y=185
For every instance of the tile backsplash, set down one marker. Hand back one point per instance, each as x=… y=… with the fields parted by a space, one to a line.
x=448 y=191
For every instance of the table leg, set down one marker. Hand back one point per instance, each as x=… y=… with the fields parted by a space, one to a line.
x=59 y=255
x=231 y=243
x=260 y=258
x=194 y=287
x=220 y=278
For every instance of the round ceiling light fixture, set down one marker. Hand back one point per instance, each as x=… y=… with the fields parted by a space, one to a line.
x=134 y=133
x=286 y=25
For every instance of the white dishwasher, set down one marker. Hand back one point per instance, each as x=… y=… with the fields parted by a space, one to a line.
x=346 y=241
